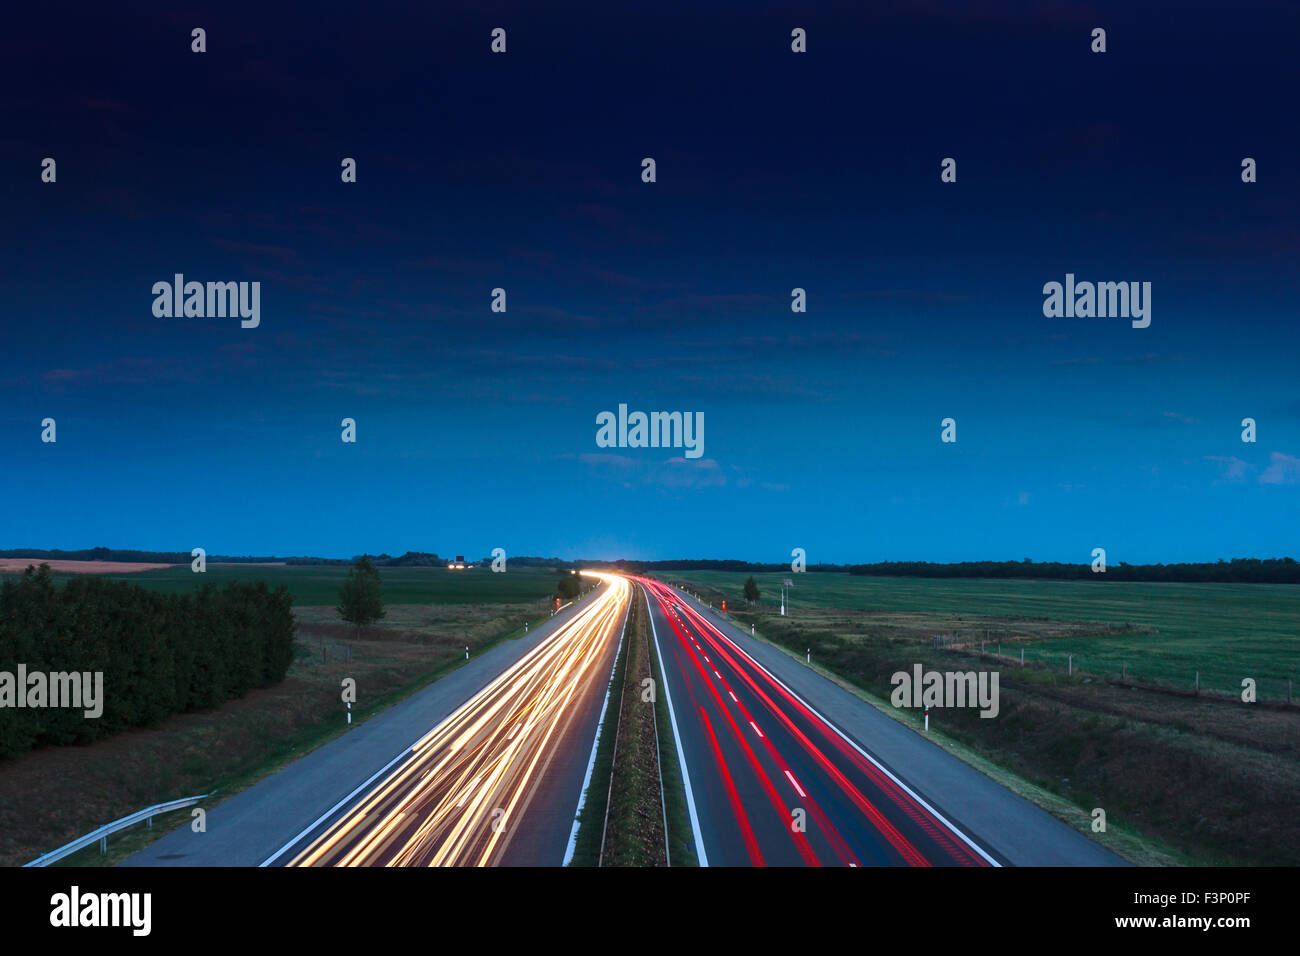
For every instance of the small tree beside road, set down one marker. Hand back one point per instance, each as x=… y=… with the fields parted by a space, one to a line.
x=360 y=601
x=569 y=585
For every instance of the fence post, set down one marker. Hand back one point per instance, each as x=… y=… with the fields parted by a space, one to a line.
x=1198 y=682
x=1070 y=667
x=1022 y=657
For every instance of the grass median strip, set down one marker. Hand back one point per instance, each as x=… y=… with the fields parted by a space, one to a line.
x=623 y=820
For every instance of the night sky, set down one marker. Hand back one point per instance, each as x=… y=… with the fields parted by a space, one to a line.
x=775 y=170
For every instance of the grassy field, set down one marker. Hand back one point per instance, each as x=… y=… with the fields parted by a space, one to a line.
x=319 y=584
x=1205 y=779
x=1159 y=632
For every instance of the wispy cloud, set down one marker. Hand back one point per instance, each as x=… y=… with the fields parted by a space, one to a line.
x=1282 y=470
x=1231 y=468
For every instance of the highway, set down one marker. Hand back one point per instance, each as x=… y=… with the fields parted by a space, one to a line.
x=774 y=783
x=486 y=766
x=273 y=821
x=468 y=787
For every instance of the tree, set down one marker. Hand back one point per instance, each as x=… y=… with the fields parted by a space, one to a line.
x=751 y=590
x=360 y=601
x=569 y=586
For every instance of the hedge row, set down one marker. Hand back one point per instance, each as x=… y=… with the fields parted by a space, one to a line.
x=160 y=654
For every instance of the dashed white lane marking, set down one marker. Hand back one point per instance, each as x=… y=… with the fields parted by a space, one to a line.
x=795 y=783
x=756 y=730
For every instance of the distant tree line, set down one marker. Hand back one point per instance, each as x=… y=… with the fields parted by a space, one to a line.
x=148 y=557
x=160 y=654
x=1238 y=570
x=706 y=564
x=411 y=559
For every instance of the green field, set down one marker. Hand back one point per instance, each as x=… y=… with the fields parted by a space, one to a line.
x=1156 y=631
x=319 y=584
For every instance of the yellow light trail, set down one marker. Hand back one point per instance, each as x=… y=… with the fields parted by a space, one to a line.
x=459 y=797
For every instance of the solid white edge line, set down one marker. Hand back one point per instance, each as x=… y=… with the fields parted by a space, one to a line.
x=700 y=855
x=885 y=770
x=591 y=761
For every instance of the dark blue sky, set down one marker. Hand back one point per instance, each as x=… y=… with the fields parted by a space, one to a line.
x=775 y=170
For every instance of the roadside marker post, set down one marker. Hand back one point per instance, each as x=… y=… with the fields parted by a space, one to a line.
x=810 y=655
x=927 y=720
x=467 y=650
x=349 y=713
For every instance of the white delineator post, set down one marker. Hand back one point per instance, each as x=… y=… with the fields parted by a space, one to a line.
x=349 y=712
x=927 y=720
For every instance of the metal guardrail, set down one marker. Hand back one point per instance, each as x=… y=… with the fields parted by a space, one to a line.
x=148 y=813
